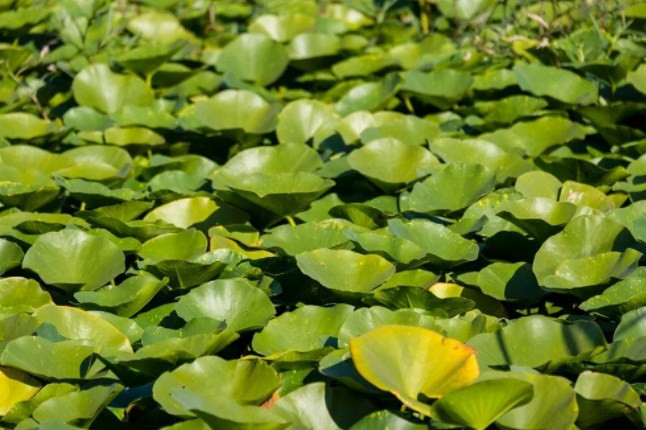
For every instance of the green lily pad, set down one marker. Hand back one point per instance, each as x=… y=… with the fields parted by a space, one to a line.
x=391 y=161
x=554 y=401
x=624 y=296
x=237 y=109
x=603 y=397
x=537 y=136
x=237 y=303
x=551 y=340
x=632 y=325
x=283 y=28
x=344 y=270
x=563 y=264
x=302 y=120
x=242 y=386
x=469 y=182
x=441 y=245
x=124 y=299
x=557 y=83
x=22 y=295
x=70 y=359
x=24 y=126
x=76 y=324
x=98 y=87
x=255 y=58
x=309 y=236
x=73 y=260
x=479 y=405
x=305 y=329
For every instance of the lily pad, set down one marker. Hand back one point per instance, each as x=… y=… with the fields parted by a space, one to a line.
x=344 y=270
x=238 y=304
x=73 y=260
x=416 y=365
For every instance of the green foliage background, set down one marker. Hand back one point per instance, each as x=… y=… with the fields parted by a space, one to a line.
x=261 y=214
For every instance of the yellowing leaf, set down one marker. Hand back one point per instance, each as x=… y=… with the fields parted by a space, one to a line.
x=15 y=387
x=444 y=290
x=409 y=361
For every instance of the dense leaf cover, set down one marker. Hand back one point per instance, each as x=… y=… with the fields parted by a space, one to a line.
x=338 y=214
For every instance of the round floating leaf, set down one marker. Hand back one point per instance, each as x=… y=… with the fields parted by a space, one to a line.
x=237 y=109
x=441 y=244
x=145 y=59
x=305 y=329
x=476 y=151
x=535 y=137
x=603 y=397
x=242 y=386
x=539 y=216
x=557 y=83
x=237 y=303
x=463 y=9
x=158 y=26
x=391 y=161
x=254 y=57
x=509 y=109
x=276 y=178
x=281 y=193
x=184 y=213
x=302 y=120
x=98 y=87
x=381 y=241
x=386 y=420
x=409 y=361
x=616 y=300
x=15 y=387
x=76 y=324
x=282 y=28
x=632 y=325
x=405 y=128
x=22 y=125
x=444 y=84
x=633 y=217
x=554 y=402
x=124 y=299
x=306 y=46
x=319 y=406
x=538 y=184
x=272 y=160
x=344 y=270
x=509 y=281
x=28 y=189
x=637 y=77
x=185 y=245
x=536 y=340
x=479 y=405
x=22 y=295
x=97 y=162
x=26 y=157
x=585 y=195
x=309 y=236
x=369 y=96
x=55 y=360
x=468 y=183
x=10 y=255
x=80 y=407
x=73 y=260
x=590 y=251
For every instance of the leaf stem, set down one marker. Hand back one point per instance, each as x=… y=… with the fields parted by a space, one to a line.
x=290 y=220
